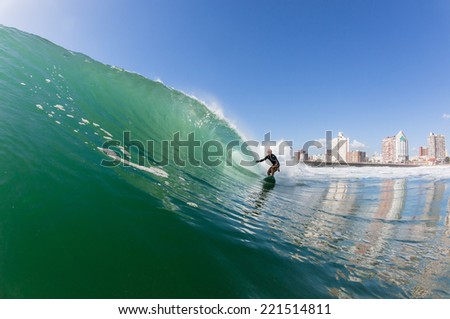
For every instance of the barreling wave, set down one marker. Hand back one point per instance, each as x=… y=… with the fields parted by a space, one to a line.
x=60 y=107
x=63 y=116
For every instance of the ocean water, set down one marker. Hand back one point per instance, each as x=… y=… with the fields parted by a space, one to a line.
x=73 y=228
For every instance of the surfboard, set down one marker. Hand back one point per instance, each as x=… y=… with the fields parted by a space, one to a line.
x=269 y=180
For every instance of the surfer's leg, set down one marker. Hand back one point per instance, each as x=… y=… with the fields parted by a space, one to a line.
x=272 y=170
x=269 y=171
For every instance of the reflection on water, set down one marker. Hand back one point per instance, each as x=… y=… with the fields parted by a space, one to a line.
x=377 y=237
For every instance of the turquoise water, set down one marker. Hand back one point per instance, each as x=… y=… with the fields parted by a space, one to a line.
x=72 y=228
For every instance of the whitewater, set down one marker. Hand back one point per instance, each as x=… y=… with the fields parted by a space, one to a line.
x=71 y=227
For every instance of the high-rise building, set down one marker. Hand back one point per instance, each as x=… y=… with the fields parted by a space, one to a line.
x=436 y=147
x=423 y=152
x=388 y=149
x=401 y=147
x=301 y=156
x=340 y=146
x=394 y=149
x=356 y=157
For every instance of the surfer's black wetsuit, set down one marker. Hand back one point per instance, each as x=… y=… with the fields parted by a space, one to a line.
x=272 y=158
x=275 y=164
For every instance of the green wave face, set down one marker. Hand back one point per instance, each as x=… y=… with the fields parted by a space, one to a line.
x=72 y=227
x=59 y=108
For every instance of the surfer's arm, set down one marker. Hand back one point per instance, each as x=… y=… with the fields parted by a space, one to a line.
x=261 y=160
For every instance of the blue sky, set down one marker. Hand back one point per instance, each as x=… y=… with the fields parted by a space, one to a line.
x=295 y=68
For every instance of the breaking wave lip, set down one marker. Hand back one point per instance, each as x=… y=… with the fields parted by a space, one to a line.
x=216 y=109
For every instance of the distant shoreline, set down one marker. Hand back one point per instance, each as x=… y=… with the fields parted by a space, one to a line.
x=360 y=164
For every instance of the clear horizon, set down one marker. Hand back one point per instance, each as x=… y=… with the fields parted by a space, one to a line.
x=295 y=68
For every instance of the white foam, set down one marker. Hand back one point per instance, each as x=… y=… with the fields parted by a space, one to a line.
x=106 y=137
x=117 y=68
x=153 y=170
x=95 y=124
x=192 y=204
x=106 y=132
x=351 y=172
x=23 y=84
x=48 y=80
x=124 y=151
x=59 y=107
x=58 y=122
x=40 y=107
x=85 y=121
x=70 y=115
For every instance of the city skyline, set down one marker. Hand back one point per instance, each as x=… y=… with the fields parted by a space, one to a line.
x=394 y=149
x=355 y=145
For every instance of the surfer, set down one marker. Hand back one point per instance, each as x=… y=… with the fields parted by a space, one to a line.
x=274 y=160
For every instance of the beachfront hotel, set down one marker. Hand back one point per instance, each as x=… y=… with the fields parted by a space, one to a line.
x=436 y=147
x=436 y=152
x=356 y=157
x=394 y=149
x=340 y=148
